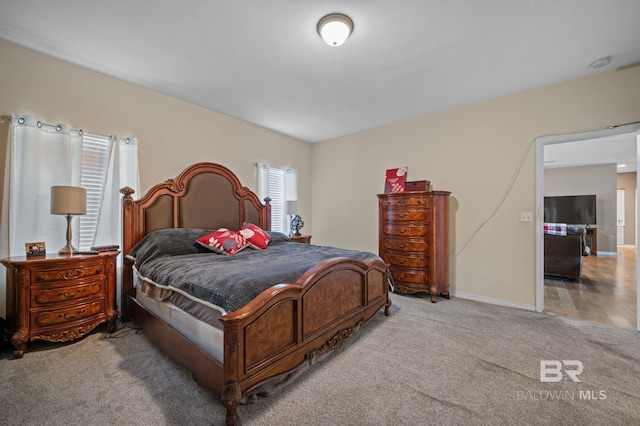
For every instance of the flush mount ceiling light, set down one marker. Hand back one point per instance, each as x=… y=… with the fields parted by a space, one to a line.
x=599 y=63
x=335 y=28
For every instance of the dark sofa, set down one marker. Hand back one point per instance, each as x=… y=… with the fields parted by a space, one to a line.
x=563 y=254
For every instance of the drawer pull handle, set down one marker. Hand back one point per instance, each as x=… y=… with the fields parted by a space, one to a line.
x=402 y=215
x=40 y=278
x=98 y=270
x=402 y=246
x=402 y=202
x=70 y=275
x=403 y=230
x=402 y=261
x=72 y=294
x=72 y=316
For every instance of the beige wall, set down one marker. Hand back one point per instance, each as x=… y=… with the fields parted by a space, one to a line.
x=474 y=151
x=172 y=134
x=586 y=180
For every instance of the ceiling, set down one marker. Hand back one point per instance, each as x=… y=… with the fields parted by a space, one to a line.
x=619 y=149
x=263 y=61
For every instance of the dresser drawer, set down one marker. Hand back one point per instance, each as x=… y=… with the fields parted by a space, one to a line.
x=405 y=230
x=47 y=296
x=66 y=274
x=66 y=316
x=417 y=277
x=404 y=214
x=403 y=245
x=406 y=261
x=405 y=201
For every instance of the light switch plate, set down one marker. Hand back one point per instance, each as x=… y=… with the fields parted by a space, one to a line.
x=526 y=217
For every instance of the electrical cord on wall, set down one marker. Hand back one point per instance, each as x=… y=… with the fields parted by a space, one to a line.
x=513 y=181
x=504 y=197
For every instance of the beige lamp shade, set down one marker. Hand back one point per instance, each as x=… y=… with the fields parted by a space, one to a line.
x=68 y=200
x=292 y=207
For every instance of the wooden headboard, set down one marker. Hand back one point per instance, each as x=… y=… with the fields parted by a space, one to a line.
x=204 y=195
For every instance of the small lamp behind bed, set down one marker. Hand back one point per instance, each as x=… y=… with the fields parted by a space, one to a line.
x=296 y=220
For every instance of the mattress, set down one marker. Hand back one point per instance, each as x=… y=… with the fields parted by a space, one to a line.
x=208 y=336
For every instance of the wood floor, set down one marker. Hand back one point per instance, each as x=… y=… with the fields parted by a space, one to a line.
x=606 y=292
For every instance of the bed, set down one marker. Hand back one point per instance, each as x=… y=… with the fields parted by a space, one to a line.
x=267 y=342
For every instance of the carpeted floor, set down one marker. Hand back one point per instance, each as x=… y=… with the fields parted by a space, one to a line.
x=456 y=362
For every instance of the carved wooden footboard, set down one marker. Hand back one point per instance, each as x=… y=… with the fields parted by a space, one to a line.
x=281 y=329
x=289 y=324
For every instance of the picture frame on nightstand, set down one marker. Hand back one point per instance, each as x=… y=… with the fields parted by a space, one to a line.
x=35 y=249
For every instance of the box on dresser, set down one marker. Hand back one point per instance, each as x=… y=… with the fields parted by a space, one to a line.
x=59 y=297
x=414 y=240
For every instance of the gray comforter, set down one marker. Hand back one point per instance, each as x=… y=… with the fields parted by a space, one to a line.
x=173 y=259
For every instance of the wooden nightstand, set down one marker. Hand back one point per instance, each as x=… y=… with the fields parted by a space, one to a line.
x=305 y=239
x=59 y=298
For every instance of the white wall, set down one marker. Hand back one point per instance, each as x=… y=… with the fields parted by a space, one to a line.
x=586 y=180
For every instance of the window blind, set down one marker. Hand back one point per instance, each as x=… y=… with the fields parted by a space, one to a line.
x=276 y=193
x=280 y=185
x=96 y=151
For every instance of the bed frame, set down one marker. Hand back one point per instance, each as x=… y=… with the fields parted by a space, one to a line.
x=286 y=326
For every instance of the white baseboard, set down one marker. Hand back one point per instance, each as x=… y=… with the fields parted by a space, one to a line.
x=607 y=253
x=492 y=301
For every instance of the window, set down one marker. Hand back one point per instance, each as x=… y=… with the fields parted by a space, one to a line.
x=96 y=151
x=44 y=155
x=280 y=185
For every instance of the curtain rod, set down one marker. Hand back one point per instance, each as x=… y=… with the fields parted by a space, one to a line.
x=57 y=127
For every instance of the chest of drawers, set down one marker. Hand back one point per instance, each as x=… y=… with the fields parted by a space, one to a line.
x=414 y=240
x=59 y=298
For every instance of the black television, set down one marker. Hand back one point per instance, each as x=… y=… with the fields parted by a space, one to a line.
x=570 y=209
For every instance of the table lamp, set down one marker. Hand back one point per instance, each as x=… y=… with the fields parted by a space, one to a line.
x=68 y=201
x=296 y=221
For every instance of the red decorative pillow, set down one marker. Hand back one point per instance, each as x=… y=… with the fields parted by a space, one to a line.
x=223 y=241
x=257 y=238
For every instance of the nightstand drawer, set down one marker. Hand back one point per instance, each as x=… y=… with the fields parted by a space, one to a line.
x=304 y=239
x=66 y=274
x=47 y=296
x=66 y=316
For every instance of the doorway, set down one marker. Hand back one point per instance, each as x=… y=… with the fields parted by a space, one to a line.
x=585 y=140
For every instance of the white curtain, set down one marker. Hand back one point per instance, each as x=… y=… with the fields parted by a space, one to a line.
x=40 y=155
x=123 y=171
